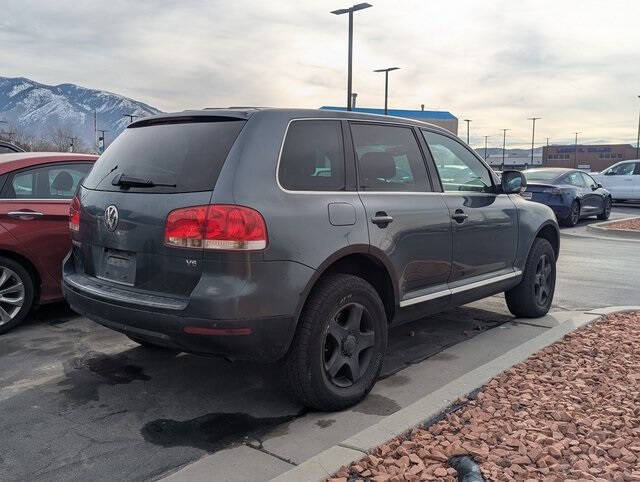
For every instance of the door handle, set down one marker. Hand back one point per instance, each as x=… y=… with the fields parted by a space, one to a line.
x=22 y=214
x=381 y=219
x=459 y=216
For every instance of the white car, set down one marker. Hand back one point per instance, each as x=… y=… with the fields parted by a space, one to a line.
x=622 y=180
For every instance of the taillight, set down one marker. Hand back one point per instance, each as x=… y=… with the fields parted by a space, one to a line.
x=217 y=226
x=74 y=214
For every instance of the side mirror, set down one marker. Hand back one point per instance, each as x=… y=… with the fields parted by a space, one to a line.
x=598 y=186
x=513 y=182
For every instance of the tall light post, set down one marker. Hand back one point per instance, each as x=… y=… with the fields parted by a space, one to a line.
x=468 y=121
x=355 y=8
x=533 y=136
x=386 y=84
x=575 y=155
x=130 y=116
x=485 y=147
x=354 y=96
x=504 y=145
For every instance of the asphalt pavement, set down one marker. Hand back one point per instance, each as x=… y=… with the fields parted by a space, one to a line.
x=78 y=401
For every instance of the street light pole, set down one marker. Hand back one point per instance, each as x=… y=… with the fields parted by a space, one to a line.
x=355 y=8
x=130 y=116
x=575 y=155
x=468 y=121
x=386 y=84
x=485 y=147
x=504 y=145
x=533 y=136
x=354 y=95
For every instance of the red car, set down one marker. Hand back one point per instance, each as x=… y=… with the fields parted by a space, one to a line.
x=35 y=193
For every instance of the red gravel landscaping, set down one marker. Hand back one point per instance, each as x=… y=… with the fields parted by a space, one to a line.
x=628 y=225
x=569 y=412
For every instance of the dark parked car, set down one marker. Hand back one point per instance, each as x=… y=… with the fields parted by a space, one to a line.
x=571 y=193
x=298 y=235
x=9 y=148
x=35 y=193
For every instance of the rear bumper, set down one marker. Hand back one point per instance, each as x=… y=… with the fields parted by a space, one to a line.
x=179 y=323
x=559 y=205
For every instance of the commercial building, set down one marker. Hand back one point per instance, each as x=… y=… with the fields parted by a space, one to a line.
x=443 y=119
x=591 y=158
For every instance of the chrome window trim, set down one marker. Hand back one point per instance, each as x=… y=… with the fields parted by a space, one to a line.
x=459 y=289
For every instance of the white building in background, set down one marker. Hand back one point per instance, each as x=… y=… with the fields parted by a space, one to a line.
x=514 y=160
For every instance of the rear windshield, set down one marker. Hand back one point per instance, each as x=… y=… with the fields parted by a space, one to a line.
x=189 y=155
x=541 y=175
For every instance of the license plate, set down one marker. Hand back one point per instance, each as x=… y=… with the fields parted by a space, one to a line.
x=118 y=266
x=526 y=195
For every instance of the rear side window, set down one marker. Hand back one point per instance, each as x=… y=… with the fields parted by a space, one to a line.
x=58 y=181
x=389 y=159
x=313 y=157
x=574 y=178
x=188 y=154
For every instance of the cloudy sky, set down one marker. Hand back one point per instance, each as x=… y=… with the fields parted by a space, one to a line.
x=576 y=64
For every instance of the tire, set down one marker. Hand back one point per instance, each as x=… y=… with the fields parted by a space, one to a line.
x=343 y=314
x=604 y=215
x=14 y=277
x=526 y=299
x=574 y=215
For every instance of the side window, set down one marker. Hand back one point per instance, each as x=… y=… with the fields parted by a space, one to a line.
x=637 y=171
x=622 y=170
x=575 y=179
x=313 y=157
x=588 y=180
x=389 y=158
x=458 y=168
x=49 y=182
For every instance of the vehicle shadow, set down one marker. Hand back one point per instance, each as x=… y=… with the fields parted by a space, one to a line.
x=115 y=398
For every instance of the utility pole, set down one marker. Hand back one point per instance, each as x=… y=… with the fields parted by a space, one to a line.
x=533 y=137
x=130 y=116
x=386 y=85
x=468 y=121
x=504 y=145
x=548 y=141
x=485 y=147
x=576 y=151
x=354 y=95
x=355 y=8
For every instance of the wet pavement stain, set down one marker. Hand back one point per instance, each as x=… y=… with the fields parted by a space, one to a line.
x=325 y=423
x=212 y=432
x=376 y=404
x=81 y=384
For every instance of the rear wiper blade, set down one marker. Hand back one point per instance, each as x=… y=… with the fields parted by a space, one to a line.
x=125 y=181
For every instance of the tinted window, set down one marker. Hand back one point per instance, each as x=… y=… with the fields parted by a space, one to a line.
x=58 y=181
x=573 y=178
x=189 y=155
x=459 y=169
x=588 y=180
x=621 y=169
x=389 y=159
x=5 y=149
x=312 y=157
x=637 y=171
x=533 y=176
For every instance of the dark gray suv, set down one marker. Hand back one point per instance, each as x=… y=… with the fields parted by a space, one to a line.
x=300 y=236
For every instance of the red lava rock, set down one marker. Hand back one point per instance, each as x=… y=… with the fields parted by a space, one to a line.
x=569 y=412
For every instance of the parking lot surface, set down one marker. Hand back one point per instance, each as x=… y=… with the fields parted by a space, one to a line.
x=79 y=401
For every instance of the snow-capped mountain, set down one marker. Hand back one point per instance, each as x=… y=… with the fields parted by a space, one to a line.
x=38 y=110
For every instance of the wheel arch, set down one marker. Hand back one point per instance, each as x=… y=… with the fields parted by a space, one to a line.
x=551 y=233
x=360 y=260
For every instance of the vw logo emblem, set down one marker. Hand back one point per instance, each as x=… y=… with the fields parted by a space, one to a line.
x=111 y=217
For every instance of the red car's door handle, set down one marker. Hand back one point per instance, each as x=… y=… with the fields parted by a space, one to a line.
x=24 y=214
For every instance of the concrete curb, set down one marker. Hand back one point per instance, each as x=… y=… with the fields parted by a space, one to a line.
x=601 y=229
x=434 y=404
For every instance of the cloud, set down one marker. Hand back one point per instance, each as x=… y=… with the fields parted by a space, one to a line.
x=574 y=63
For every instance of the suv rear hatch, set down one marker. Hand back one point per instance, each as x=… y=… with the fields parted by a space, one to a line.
x=154 y=168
